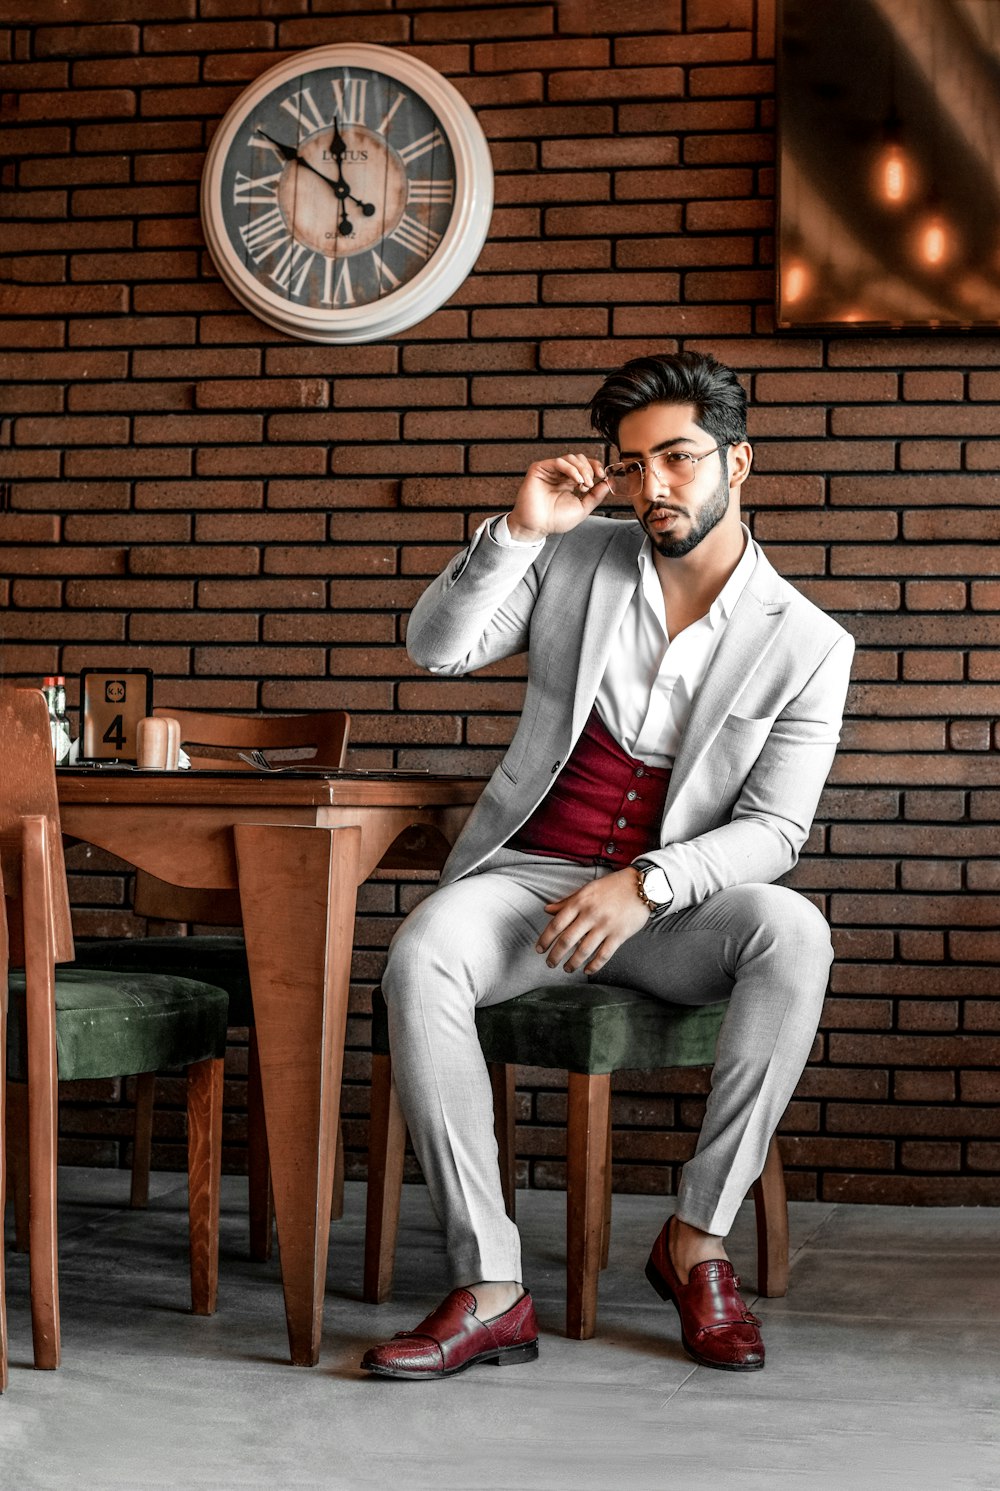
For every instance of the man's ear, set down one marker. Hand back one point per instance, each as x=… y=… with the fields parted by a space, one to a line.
x=739 y=459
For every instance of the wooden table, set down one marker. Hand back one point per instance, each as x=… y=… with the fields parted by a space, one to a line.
x=296 y=847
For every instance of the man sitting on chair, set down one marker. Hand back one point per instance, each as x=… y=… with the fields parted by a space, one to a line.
x=682 y=711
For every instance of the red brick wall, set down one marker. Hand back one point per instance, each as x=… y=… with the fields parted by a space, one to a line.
x=253 y=517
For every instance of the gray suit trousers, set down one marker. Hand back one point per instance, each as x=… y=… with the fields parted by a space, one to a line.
x=763 y=948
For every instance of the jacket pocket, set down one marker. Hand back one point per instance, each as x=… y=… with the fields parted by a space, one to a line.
x=739 y=728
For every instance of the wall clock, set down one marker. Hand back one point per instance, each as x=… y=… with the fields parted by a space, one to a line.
x=347 y=193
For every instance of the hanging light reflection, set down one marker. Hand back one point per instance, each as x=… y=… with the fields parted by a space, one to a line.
x=935 y=241
x=797 y=281
x=895 y=175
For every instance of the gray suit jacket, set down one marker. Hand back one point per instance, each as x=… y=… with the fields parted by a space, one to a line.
x=761 y=735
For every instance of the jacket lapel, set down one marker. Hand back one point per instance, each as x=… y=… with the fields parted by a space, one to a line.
x=612 y=588
x=755 y=622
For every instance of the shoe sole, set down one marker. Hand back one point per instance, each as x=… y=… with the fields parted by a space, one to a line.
x=505 y=1356
x=665 y=1292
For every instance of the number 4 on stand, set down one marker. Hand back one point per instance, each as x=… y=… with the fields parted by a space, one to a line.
x=112 y=702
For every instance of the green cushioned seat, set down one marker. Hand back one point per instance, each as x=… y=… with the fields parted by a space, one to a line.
x=111 y=1024
x=217 y=960
x=587 y=1028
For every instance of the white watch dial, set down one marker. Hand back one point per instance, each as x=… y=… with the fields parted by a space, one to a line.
x=657 y=886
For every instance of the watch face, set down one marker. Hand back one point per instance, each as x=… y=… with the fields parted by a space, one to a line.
x=343 y=180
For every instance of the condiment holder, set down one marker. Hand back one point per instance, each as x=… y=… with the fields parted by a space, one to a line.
x=158 y=743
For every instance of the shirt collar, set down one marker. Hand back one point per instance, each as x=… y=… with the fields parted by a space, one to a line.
x=725 y=601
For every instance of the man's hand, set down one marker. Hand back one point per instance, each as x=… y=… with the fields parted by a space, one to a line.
x=555 y=496
x=591 y=924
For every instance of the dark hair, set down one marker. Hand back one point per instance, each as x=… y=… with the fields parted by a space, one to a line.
x=674 y=378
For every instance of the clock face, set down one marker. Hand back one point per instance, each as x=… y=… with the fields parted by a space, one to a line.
x=347 y=193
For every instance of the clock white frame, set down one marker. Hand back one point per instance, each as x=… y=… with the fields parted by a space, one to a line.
x=451 y=261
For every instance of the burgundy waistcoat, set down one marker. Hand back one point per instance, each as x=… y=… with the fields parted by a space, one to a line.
x=604 y=807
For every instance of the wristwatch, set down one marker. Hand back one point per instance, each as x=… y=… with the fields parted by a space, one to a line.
x=654 y=888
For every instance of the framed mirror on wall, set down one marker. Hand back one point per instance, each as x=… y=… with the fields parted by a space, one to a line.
x=888 y=163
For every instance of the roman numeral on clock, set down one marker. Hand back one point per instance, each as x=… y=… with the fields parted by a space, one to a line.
x=383 y=128
x=303 y=109
x=415 y=236
x=350 y=97
x=337 y=287
x=248 y=189
x=290 y=265
x=263 y=234
x=261 y=142
x=416 y=148
x=386 y=279
x=423 y=189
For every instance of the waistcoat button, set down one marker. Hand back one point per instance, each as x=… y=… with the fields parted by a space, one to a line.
x=611 y=848
x=620 y=823
x=632 y=794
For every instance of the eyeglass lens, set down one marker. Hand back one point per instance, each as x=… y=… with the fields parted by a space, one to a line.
x=626 y=477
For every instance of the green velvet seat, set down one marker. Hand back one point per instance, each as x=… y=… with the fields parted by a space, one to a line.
x=590 y=1028
x=112 y=1024
x=217 y=960
x=589 y=1031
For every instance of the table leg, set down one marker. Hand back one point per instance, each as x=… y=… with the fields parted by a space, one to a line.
x=298 y=889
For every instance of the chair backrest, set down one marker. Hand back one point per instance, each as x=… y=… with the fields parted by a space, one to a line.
x=28 y=791
x=314 y=739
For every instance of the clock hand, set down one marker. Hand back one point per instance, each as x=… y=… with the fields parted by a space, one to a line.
x=338 y=149
x=291 y=154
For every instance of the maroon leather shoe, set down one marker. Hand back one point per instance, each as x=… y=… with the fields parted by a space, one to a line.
x=453 y=1338
x=717 y=1329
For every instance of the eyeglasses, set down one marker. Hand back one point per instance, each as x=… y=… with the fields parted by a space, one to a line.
x=675 y=467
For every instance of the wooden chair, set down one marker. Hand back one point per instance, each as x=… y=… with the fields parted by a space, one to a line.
x=215 y=741
x=591 y=1031
x=81 y=1024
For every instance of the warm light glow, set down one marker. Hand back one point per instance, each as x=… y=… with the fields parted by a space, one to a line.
x=935 y=241
x=796 y=281
x=895 y=176
x=895 y=179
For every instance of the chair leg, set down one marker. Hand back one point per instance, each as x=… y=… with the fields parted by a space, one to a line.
x=17 y=1160
x=606 y=1235
x=142 y=1143
x=586 y=1163
x=204 y=1113
x=504 y=1098
x=386 y=1148
x=337 y=1204
x=771 y=1207
x=258 y=1161
x=43 y=1129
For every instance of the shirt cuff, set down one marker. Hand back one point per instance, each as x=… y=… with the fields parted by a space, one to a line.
x=500 y=534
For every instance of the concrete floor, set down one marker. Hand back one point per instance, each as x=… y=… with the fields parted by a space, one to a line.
x=883 y=1364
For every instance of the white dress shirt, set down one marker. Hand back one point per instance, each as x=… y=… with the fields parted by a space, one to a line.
x=651 y=680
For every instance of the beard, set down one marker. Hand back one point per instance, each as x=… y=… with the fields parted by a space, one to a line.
x=712 y=512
